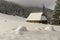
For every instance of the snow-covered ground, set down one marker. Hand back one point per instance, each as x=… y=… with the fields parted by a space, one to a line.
x=10 y=29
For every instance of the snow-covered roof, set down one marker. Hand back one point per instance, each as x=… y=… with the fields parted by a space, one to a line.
x=36 y=17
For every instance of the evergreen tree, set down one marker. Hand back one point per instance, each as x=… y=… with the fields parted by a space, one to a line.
x=56 y=16
x=57 y=10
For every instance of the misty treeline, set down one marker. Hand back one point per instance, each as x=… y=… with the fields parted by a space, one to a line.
x=15 y=9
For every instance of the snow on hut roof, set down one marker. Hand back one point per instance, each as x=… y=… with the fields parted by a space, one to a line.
x=36 y=17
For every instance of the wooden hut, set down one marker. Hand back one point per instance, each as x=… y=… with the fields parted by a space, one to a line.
x=37 y=17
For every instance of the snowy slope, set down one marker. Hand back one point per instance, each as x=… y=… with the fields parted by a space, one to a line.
x=36 y=31
x=9 y=21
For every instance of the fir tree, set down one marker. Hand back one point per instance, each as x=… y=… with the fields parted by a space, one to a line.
x=57 y=10
x=56 y=16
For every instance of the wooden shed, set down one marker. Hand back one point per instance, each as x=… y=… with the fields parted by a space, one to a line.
x=37 y=17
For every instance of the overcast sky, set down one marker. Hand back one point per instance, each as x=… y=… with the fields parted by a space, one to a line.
x=35 y=3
